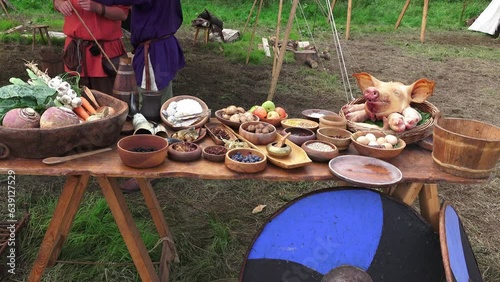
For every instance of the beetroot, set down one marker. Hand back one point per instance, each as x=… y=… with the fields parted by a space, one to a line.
x=21 y=118
x=58 y=116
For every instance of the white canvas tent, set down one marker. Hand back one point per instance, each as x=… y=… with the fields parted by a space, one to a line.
x=489 y=20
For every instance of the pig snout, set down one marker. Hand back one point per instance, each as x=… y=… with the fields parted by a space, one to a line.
x=371 y=94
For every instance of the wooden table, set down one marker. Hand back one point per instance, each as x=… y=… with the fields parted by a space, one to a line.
x=420 y=179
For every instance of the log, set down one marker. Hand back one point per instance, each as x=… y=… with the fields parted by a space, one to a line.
x=11 y=30
x=311 y=63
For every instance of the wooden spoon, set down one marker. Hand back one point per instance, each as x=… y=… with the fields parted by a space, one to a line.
x=280 y=143
x=57 y=160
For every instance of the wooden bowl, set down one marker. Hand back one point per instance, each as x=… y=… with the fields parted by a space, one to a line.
x=245 y=167
x=257 y=138
x=184 y=151
x=374 y=152
x=299 y=135
x=333 y=121
x=128 y=150
x=300 y=122
x=320 y=151
x=274 y=121
x=214 y=153
x=315 y=114
x=38 y=143
x=197 y=122
x=337 y=136
x=234 y=125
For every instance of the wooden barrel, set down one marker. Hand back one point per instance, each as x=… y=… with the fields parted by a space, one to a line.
x=125 y=86
x=467 y=148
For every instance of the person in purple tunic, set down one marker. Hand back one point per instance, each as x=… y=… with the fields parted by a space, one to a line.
x=157 y=53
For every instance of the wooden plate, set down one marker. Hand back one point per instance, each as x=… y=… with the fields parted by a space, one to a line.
x=315 y=114
x=297 y=158
x=366 y=171
x=211 y=126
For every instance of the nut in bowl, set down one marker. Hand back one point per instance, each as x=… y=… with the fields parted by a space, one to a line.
x=337 y=136
x=184 y=151
x=143 y=150
x=320 y=151
x=377 y=144
x=215 y=153
x=258 y=132
x=245 y=160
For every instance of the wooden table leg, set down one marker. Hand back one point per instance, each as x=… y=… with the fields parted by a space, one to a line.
x=128 y=229
x=406 y=192
x=169 y=253
x=60 y=224
x=429 y=204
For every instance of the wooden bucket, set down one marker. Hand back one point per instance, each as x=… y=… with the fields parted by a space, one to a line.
x=125 y=86
x=466 y=148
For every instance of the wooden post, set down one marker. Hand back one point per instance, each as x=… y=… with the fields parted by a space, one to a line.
x=5 y=8
x=348 y=27
x=424 y=21
x=278 y=27
x=402 y=13
x=249 y=15
x=253 y=32
x=276 y=74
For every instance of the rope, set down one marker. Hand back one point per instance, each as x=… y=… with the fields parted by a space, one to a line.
x=309 y=31
x=93 y=37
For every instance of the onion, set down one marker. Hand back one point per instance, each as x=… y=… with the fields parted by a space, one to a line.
x=57 y=117
x=21 y=118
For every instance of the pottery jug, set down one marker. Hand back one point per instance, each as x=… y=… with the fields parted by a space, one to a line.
x=125 y=86
x=151 y=105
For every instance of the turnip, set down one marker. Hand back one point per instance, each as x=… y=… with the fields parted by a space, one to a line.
x=57 y=117
x=21 y=118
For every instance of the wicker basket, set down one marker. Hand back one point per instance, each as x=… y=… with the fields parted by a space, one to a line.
x=413 y=135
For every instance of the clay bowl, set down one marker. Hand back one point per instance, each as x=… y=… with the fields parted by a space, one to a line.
x=375 y=152
x=234 y=125
x=315 y=114
x=197 y=123
x=337 y=136
x=299 y=135
x=129 y=150
x=334 y=120
x=184 y=151
x=300 y=122
x=242 y=166
x=274 y=121
x=257 y=138
x=320 y=151
x=214 y=153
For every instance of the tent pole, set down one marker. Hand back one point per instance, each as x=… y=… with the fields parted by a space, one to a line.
x=249 y=15
x=253 y=32
x=402 y=14
x=332 y=5
x=348 y=27
x=276 y=75
x=278 y=26
x=424 y=20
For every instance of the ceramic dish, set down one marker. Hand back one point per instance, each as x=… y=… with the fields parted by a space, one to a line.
x=300 y=122
x=315 y=114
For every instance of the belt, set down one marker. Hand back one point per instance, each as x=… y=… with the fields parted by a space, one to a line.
x=146 y=58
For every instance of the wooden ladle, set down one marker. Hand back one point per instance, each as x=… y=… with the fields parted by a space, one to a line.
x=280 y=143
x=57 y=160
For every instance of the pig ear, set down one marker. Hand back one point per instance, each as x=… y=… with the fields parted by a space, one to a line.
x=421 y=90
x=365 y=80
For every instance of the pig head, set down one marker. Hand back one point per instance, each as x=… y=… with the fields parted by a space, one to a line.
x=383 y=98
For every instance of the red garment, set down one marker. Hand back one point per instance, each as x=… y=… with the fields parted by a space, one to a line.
x=108 y=32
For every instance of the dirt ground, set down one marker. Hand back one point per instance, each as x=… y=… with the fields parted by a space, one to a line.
x=465 y=87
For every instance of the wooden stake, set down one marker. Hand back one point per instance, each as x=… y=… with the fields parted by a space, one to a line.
x=253 y=32
x=5 y=8
x=278 y=26
x=348 y=27
x=402 y=14
x=276 y=74
x=249 y=15
x=424 y=21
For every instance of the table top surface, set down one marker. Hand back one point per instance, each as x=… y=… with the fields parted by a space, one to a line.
x=415 y=163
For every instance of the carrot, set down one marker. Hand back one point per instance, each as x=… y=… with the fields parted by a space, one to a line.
x=81 y=112
x=87 y=106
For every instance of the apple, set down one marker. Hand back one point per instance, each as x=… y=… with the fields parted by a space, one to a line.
x=252 y=108
x=261 y=112
x=268 y=105
x=273 y=115
x=280 y=111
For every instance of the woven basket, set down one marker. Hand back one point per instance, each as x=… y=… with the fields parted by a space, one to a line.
x=413 y=135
